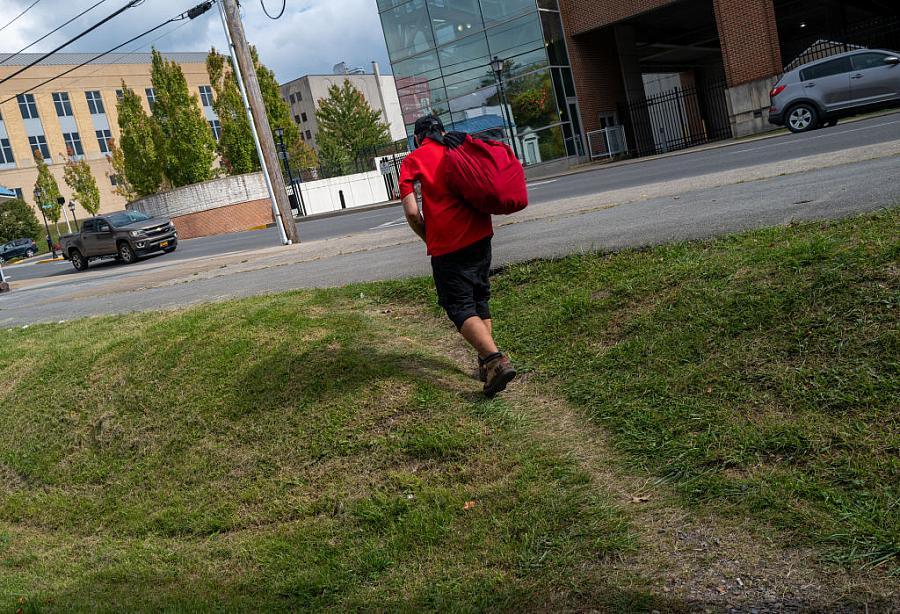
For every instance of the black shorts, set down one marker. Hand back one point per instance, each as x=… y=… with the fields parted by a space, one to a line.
x=462 y=279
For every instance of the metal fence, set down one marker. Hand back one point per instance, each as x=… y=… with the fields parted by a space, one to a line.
x=362 y=163
x=677 y=119
x=607 y=142
x=880 y=33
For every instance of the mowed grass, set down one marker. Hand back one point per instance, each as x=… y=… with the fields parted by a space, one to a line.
x=279 y=453
x=759 y=373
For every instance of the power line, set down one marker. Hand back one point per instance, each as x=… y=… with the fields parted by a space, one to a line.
x=16 y=18
x=266 y=11
x=48 y=34
x=191 y=14
x=131 y=4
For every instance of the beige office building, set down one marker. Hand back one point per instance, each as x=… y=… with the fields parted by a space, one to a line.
x=305 y=94
x=77 y=113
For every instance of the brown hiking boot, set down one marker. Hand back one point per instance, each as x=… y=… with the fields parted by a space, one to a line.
x=499 y=373
x=481 y=374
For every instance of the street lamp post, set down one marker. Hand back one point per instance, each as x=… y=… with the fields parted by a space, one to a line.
x=298 y=194
x=72 y=209
x=497 y=66
x=39 y=199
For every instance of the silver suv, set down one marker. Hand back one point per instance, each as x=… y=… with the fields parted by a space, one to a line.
x=821 y=92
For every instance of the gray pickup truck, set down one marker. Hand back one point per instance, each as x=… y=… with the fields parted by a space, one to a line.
x=127 y=235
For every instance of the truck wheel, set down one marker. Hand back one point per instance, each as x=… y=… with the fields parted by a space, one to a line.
x=802 y=118
x=78 y=260
x=126 y=254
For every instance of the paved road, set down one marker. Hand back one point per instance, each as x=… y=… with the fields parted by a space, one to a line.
x=825 y=194
x=740 y=155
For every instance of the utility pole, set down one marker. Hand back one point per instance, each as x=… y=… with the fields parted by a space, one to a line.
x=266 y=144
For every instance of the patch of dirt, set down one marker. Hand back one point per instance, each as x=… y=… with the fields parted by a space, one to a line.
x=708 y=561
x=10 y=480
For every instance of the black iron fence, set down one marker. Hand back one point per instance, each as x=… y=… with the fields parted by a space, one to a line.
x=362 y=163
x=880 y=33
x=677 y=119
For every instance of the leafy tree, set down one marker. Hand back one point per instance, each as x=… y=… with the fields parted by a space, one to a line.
x=348 y=126
x=18 y=221
x=183 y=136
x=116 y=160
x=48 y=187
x=236 y=146
x=80 y=180
x=302 y=156
x=142 y=161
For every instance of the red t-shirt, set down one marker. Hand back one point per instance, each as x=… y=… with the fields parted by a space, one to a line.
x=450 y=224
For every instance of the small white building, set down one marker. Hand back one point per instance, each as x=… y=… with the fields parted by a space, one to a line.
x=305 y=94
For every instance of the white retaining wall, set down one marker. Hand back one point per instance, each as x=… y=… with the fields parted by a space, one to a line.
x=359 y=190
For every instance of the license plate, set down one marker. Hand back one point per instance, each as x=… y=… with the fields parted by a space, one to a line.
x=164 y=244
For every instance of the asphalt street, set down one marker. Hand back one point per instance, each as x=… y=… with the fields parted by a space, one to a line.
x=637 y=173
x=817 y=195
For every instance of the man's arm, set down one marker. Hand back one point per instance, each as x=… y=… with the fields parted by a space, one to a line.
x=413 y=216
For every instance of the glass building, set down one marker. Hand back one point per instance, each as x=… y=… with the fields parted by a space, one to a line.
x=441 y=53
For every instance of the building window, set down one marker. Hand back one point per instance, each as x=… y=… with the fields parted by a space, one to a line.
x=103 y=139
x=120 y=94
x=73 y=144
x=293 y=99
x=151 y=97
x=18 y=192
x=303 y=116
x=114 y=180
x=95 y=103
x=39 y=143
x=308 y=135
x=206 y=95
x=299 y=97
x=302 y=136
x=216 y=128
x=62 y=104
x=27 y=106
x=6 y=154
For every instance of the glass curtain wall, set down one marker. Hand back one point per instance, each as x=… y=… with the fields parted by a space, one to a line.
x=441 y=53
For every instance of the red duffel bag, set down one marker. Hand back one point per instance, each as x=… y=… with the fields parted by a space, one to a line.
x=487 y=175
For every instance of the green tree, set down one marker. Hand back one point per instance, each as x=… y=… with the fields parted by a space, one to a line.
x=302 y=156
x=18 y=221
x=183 y=137
x=116 y=160
x=80 y=179
x=142 y=162
x=236 y=146
x=49 y=189
x=348 y=127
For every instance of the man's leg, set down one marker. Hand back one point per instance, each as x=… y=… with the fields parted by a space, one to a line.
x=478 y=333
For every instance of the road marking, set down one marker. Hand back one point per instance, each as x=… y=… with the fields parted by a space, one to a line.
x=812 y=138
x=540 y=183
x=391 y=224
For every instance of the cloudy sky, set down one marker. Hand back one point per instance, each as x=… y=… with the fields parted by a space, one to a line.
x=311 y=37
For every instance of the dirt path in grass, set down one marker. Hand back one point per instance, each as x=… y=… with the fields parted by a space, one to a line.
x=703 y=560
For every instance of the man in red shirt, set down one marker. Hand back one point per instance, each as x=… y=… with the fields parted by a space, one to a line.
x=458 y=239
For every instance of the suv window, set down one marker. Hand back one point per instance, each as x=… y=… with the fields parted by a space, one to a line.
x=88 y=226
x=864 y=61
x=826 y=69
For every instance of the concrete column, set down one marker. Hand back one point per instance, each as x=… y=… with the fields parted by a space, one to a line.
x=641 y=133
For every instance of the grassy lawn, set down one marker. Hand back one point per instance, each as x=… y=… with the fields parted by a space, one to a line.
x=322 y=450
x=758 y=373
x=274 y=453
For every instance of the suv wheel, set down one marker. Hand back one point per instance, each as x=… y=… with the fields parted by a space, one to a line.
x=78 y=260
x=126 y=254
x=802 y=118
x=29 y=253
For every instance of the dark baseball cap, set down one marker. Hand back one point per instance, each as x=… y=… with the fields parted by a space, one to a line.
x=428 y=125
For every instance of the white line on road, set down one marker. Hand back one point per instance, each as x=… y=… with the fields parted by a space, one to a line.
x=812 y=138
x=540 y=183
x=391 y=224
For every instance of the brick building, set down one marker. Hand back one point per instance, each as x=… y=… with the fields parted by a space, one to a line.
x=78 y=113
x=676 y=72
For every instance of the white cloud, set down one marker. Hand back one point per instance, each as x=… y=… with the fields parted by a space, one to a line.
x=311 y=37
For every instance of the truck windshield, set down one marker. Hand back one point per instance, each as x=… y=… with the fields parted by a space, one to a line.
x=124 y=218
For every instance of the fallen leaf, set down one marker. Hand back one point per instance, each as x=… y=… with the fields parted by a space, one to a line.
x=469 y=505
x=709 y=390
x=641 y=499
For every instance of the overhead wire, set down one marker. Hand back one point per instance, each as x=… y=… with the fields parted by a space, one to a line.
x=187 y=15
x=130 y=4
x=16 y=18
x=52 y=32
x=266 y=11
